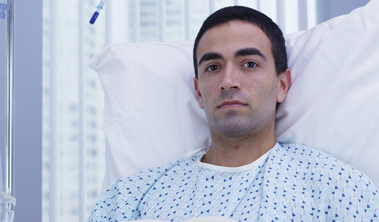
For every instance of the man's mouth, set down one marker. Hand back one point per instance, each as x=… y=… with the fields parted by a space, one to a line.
x=231 y=104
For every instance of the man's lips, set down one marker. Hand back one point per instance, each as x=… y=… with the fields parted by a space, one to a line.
x=231 y=104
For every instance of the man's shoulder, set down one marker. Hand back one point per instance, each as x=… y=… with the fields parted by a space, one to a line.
x=152 y=175
x=317 y=165
x=308 y=157
x=310 y=182
x=128 y=193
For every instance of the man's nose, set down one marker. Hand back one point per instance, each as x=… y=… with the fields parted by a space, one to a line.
x=230 y=79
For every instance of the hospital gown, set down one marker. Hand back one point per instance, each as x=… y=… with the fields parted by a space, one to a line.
x=290 y=183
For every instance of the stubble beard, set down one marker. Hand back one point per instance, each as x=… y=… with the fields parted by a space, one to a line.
x=237 y=124
x=233 y=124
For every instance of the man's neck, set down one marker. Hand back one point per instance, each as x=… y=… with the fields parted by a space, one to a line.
x=235 y=152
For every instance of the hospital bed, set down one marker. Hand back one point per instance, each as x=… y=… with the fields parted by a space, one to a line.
x=152 y=115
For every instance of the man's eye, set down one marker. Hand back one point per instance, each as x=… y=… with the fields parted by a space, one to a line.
x=250 y=64
x=212 y=68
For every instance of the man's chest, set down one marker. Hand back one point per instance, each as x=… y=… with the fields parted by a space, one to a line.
x=204 y=193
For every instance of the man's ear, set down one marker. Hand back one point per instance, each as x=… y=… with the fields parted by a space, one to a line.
x=198 y=93
x=284 y=82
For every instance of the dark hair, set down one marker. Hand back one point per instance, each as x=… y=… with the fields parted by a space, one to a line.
x=255 y=17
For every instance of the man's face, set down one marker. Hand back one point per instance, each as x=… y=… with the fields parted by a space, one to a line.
x=237 y=84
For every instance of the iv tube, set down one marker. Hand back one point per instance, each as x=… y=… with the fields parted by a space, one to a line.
x=96 y=14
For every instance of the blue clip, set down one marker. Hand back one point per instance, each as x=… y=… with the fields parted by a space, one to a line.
x=96 y=14
x=94 y=17
x=3 y=10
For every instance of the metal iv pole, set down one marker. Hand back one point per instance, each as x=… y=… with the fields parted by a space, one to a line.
x=7 y=201
x=10 y=101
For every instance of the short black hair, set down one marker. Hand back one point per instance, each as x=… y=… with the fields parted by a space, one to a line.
x=241 y=13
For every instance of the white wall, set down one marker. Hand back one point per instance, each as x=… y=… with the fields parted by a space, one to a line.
x=331 y=8
x=28 y=107
x=28 y=110
x=340 y=7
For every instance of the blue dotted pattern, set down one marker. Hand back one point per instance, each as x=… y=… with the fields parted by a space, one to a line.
x=295 y=183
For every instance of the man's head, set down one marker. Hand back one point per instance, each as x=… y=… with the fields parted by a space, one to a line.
x=250 y=15
x=238 y=83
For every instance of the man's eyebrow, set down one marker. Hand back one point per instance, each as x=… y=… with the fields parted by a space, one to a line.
x=210 y=56
x=250 y=51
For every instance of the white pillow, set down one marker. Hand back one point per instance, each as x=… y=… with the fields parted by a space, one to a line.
x=152 y=115
x=333 y=102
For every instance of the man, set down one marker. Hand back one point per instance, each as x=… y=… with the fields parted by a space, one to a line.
x=241 y=74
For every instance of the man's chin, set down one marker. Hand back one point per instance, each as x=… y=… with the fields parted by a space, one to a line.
x=235 y=127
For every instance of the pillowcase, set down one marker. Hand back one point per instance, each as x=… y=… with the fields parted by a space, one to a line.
x=152 y=116
x=333 y=101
